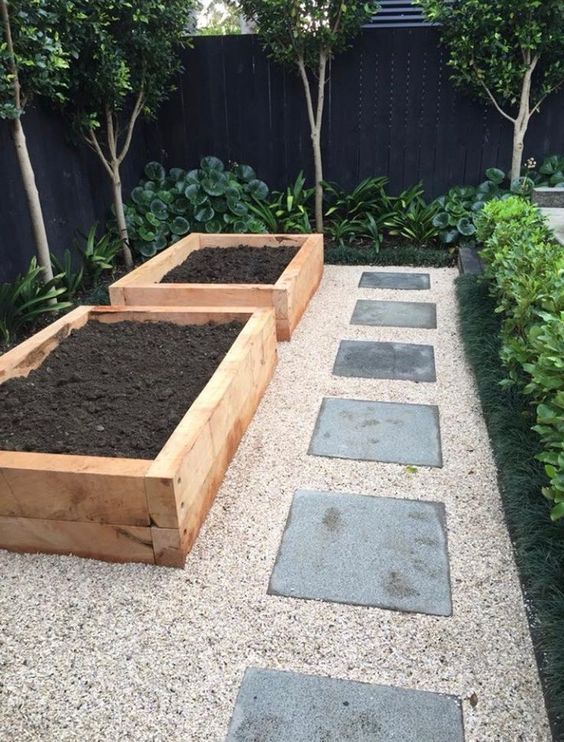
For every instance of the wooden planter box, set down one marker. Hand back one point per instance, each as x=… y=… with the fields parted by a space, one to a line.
x=289 y=296
x=135 y=510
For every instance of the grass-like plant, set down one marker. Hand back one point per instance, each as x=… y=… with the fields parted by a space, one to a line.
x=27 y=297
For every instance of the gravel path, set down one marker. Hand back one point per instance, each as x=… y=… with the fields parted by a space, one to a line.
x=103 y=652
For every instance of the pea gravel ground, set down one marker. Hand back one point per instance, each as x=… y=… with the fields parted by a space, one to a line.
x=104 y=652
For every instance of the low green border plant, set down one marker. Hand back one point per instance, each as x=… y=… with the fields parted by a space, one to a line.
x=538 y=542
x=401 y=255
x=525 y=266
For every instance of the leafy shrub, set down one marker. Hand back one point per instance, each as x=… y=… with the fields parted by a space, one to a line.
x=410 y=217
x=459 y=207
x=367 y=198
x=69 y=279
x=26 y=298
x=368 y=213
x=166 y=206
x=98 y=254
x=526 y=268
x=549 y=174
x=287 y=211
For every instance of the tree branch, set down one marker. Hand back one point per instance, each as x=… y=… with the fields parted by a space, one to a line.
x=303 y=73
x=11 y=55
x=496 y=104
x=545 y=96
x=323 y=56
x=93 y=142
x=138 y=107
x=110 y=134
x=338 y=18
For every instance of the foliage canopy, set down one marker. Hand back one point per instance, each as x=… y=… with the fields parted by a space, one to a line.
x=40 y=61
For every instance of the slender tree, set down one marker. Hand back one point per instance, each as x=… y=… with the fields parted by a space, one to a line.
x=507 y=52
x=306 y=34
x=127 y=59
x=33 y=62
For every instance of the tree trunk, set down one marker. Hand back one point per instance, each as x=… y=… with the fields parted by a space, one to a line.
x=32 y=197
x=519 y=131
x=120 y=216
x=315 y=117
x=316 y=139
x=318 y=166
x=522 y=121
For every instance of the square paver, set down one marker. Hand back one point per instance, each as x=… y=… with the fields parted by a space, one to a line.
x=376 y=360
x=378 y=431
x=372 y=551
x=275 y=706
x=385 y=280
x=395 y=314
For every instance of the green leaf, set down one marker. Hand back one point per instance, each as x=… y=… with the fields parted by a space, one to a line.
x=441 y=220
x=557 y=511
x=257 y=189
x=159 y=209
x=179 y=226
x=495 y=175
x=155 y=171
x=449 y=236
x=245 y=173
x=215 y=183
x=210 y=164
x=204 y=214
x=465 y=226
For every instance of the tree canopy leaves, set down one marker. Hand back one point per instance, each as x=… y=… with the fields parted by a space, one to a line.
x=303 y=28
x=128 y=50
x=40 y=61
x=492 y=42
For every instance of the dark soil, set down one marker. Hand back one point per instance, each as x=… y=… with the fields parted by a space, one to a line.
x=112 y=390
x=242 y=264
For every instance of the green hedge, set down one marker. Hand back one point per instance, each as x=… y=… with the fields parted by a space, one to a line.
x=537 y=541
x=525 y=266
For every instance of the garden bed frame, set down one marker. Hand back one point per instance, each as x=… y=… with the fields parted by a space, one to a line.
x=289 y=296
x=135 y=510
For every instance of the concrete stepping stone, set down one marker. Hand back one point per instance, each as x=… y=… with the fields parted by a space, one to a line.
x=378 y=431
x=395 y=314
x=275 y=706
x=404 y=281
x=376 y=360
x=360 y=550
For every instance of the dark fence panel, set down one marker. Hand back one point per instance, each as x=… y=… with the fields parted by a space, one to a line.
x=390 y=110
x=75 y=190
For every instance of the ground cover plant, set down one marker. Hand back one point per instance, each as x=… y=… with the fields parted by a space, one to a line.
x=400 y=254
x=525 y=267
x=538 y=542
x=27 y=298
x=82 y=276
x=165 y=206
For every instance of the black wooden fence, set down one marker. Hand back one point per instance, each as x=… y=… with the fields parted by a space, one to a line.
x=391 y=110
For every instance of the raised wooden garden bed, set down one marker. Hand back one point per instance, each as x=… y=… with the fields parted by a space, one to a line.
x=125 y=509
x=289 y=295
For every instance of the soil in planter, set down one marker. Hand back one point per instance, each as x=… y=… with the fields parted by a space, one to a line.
x=242 y=264
x=112 y=389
